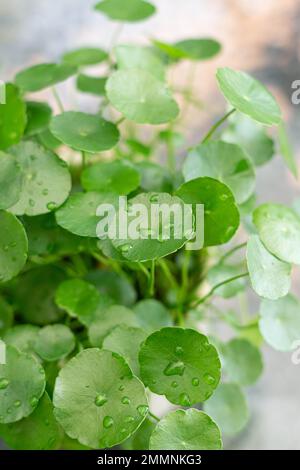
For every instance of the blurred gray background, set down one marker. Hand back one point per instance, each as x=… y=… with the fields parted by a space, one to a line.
x=260 y=37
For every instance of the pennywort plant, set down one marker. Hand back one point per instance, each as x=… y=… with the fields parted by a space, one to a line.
x=93 y=327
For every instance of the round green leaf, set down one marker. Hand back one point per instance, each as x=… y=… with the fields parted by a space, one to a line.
x=141 y=97
x=54 y=342
x=229 y=408
x=220 y=273
x=39 y=431
x=22 y=337
x=152 y=315
x=242 y=361
x=48 y=140
x=13 y=248
x=126 y=341
x=38 y=117
x=249 y=96
x=140 y=439
x=131 y=11
x=139 y=57
x=186 y=430
x=42 y=76
x=79 y=298
x=85 y=56
x=78 y=214
x=279 y=230
x=10 y=181
x=280 y=322
x=92 y=85
x=286 y=150
x=225 y=162
x=6 y=316
x=39 y=308
x=46 y=179
x=199 y=49
x=112 y=317
x=154 y=177
x=221 y=216
x=114 y=401
x=180 y=364
x=270 y=277
x=156 y=237
x=118 y=177
x=85 y=132
x=251 y=136
x=22 y=383
x=12 y=117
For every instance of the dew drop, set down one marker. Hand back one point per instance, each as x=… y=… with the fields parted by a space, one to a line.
x=100 y=400
x=45 y=192
x=209 y=379
x=125 y=248
x=179 y=351
x=224 y=197
x=121 y=388
x=174 y=384
x=125 y=401
x=195 y=381
x=31 y=202
x=108 y=422
x=8 y=411
x=174 y=368
x=51 y=206
x=5 y=248
x=17 y=404
x=154 y=198
x=184 y=399
x=143 y=410
x=33 y=402
x=4 y=383
x=129 y=419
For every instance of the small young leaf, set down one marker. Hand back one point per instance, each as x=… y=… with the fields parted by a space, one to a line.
x=38 y=117
x=279 y=230
x=270 y=277
x=152 y=244
x=139 y=57
x=46 y=179
x=229 y=408
x=221 y=272
x=22 y=383
x=180 y=364
x=249 y=96
x=10 y=181
x=152 y=315
x=286 y=150
x=131 y=11
x=14 y=246
x=118 y=177
x=251 y=136
x=93 y=85
x=225 y=162
x=126 y=341
x=114 y=401
x=199 y=49
x=280 y=322
x=22 y=337
x=39 y=431
x=78 y=214
x=85 y=132
x=12 y=117
x=141 y=97
x=112 y=317
x=39 y=308
x=54 y=342
x=42 y=76
x=242 y=361
x=79 y=298
x=85 y=56
x=186 y=430
x=221 y=216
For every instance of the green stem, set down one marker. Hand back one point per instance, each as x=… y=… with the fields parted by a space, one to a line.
x=211 y=292
x=171 y=153
x=58 y=100
x=144 y=270
x=119 y=121
x=232 y=251
x=83 y=160
x=154 y=416
x=164 y=266
x=217 y=125
x=152 y=279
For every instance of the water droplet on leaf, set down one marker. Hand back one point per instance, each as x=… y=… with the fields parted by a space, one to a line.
x=100 y=400
x=108 y=422
x=175 y=368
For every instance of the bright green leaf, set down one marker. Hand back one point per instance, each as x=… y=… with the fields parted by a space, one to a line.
x=133 y=10
x=242 y=361
x=10 y=181
x=42 y=76
x=12 y=117
x=199 y=49
x=85 y=56
x=92 y=85
x=38 y=117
